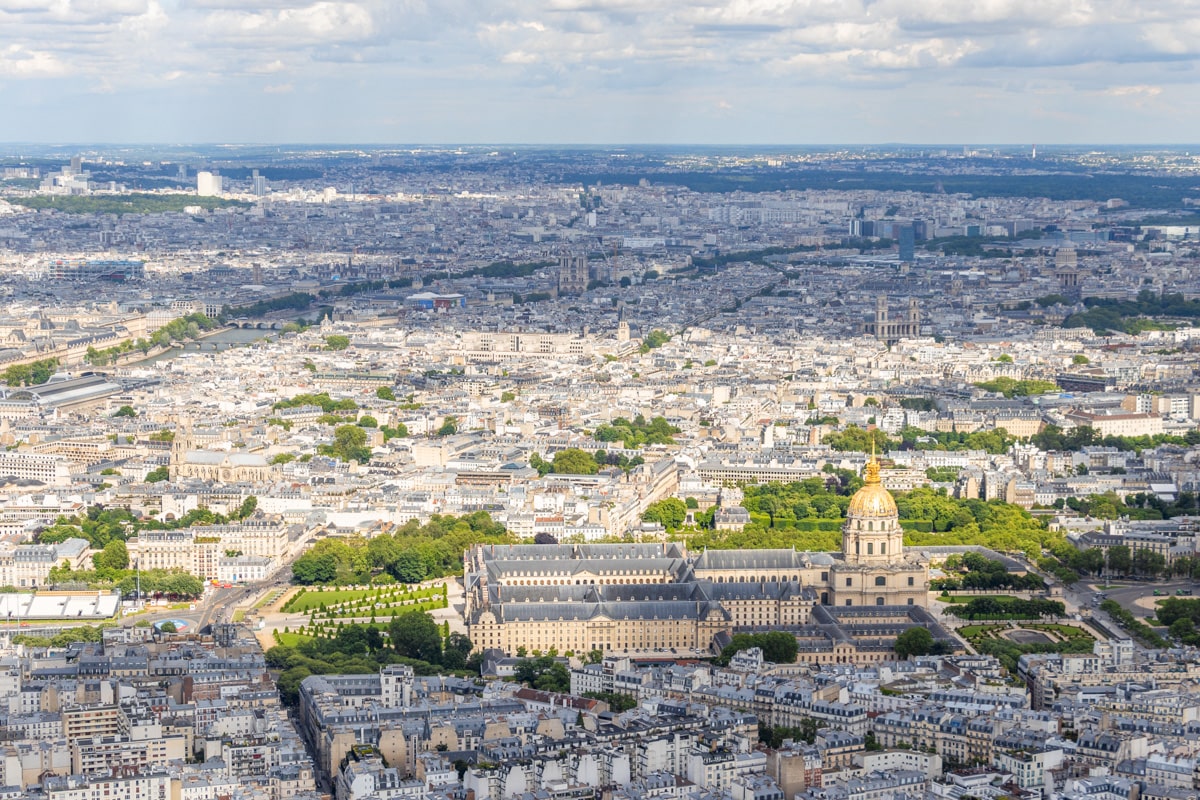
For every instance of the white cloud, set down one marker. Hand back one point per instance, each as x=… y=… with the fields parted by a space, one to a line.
x=1114 y=52
x=17 y=61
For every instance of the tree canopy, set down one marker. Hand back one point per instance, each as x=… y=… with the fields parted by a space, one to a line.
x=411 y=553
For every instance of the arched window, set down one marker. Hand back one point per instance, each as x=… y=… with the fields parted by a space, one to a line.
x=880 y=580
x=878 y=601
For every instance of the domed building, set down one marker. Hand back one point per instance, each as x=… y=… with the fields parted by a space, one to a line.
x=873 y=568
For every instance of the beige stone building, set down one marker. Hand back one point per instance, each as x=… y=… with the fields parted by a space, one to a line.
x=645 y=598
x=213 y=465
x=202 y=550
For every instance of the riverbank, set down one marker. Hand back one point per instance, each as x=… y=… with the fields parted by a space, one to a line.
x=230 y=336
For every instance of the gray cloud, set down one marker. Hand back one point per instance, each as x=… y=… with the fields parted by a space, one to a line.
x=538 y=54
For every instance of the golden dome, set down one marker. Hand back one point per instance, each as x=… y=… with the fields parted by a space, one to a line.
x=872 y=500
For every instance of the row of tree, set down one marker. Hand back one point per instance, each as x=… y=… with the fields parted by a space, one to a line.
x=410 y=554
x=637 y=432
x=574 y=461
x=1053 y=437
x=778 y=647
x=1007 y=608
x=413 y=639
x=980 y=572
x=32 y=374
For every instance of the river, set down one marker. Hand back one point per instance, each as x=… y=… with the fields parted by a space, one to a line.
x=222 y=340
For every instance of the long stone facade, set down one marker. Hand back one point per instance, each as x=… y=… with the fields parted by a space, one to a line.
x=646 y=598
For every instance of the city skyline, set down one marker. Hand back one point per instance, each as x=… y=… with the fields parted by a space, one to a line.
x=602 y=72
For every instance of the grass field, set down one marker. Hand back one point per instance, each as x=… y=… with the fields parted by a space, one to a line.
x=311 y=599
x=290 y=639
x=348 y=603
x=239 y=615
x=960 y=599
x=976 y=631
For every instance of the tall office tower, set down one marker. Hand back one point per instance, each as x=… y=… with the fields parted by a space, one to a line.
x=907 y=238
x=260 y=184
x=76 y=165
x=208 y=184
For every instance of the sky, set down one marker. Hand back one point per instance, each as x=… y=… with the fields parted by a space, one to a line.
x=600 y=71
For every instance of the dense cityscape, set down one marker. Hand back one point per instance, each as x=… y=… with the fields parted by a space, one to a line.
x=608 y=473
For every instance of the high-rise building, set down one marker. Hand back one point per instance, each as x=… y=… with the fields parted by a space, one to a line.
x=907 y=239
x=260 y=184
x=208 y=184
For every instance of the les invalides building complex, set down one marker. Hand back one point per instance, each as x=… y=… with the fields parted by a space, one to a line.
x=647 y=598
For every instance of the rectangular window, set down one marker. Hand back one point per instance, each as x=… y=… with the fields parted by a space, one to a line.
x=910 y=580
x=849 y=582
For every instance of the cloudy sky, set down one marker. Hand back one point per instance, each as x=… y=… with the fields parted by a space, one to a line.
x=602 y=71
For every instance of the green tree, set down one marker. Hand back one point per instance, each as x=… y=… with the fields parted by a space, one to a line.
x=114 y=556
x=385 y=393
x=414 y=634
x=313 y=568
x=914 y=642
x=778 y=647
x=573 y=461
x=168 y=627
x=1183 y=628
x=449 y=427
x=543 y=673
x=289 y=684
x=1149 y=563
x=337 y=342
x=398 y=432
x=1120 y=560
x=349 y=444
x=670 y=513
x=126 y=411
x=247 y=508
x=656 y=338
x=456 y=652
x=158 y=474
x=408 y=567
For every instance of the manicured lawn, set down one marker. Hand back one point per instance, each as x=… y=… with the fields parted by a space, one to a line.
x=340 y=600
x=961 y=598
x=1066 y=631
x=313 y=599
x=978 y=631
x=290 y=639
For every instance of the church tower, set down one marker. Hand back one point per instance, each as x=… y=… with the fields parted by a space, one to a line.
x=872 y=532
x=874 y=569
